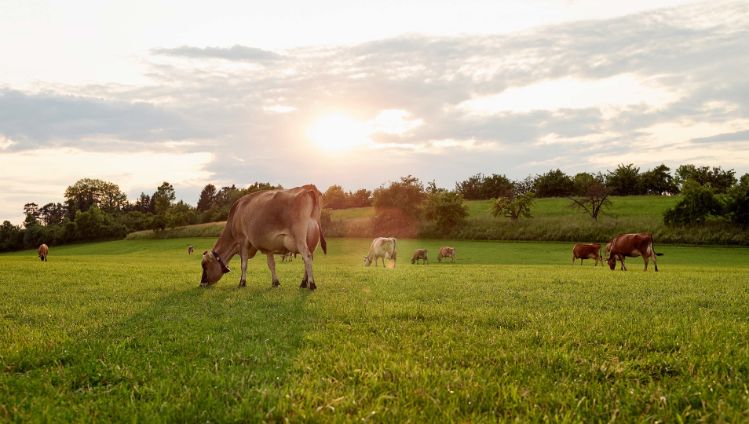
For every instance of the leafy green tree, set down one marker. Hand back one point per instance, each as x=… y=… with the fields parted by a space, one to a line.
x=407 y=195
x=89 y=192
x=697 y=203
x=143 y=204
x=95 y=224
x=658 y=181
x=446 y=209
x=31 y=210
x=718 y=179
x=207 y=195
x=554 y=183
x=11 y=237
x=737 y=203
x=480 y=187
x=516 y=203
x=52 y=213
x=163 y=197
x=624 y=180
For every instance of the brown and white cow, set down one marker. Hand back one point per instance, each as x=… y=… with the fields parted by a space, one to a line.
x=632 y=245
x=271 y=222
x=584 y=251
x=446 y=252
x=43 y=252
x=419 y=255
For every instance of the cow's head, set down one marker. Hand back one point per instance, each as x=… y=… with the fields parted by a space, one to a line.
x=213 y=268
x=612 y=262
x=367 y=261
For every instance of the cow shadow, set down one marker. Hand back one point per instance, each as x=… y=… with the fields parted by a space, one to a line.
x=217 y=354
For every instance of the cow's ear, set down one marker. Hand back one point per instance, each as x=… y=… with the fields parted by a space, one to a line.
x=224 y=268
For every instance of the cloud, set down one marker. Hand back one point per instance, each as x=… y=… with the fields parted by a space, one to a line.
x=234 y=53
x=652 y=87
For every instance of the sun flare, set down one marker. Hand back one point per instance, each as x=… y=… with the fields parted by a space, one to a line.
x=338 y=132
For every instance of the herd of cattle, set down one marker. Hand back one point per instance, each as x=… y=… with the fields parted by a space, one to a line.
x=287 y=222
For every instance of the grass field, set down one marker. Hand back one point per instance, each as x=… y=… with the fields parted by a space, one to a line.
x=120 y=331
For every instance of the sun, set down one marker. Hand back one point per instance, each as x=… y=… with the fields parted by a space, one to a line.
x=338 y=132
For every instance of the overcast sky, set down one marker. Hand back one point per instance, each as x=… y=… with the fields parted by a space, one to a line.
x=361 y=93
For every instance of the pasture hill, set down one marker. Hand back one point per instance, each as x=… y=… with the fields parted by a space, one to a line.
x=554 y=219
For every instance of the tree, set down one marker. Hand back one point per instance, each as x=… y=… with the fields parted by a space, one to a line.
x=143 y=204
x=716 y=178
x=737 y=203
x=554 y=183
x=658 y=181
x=31 y=210
x=595 y=198
x=517 y=202
x=11 y=237
x=446 y=209
x=163 y=197
x=479 y=187
x=335 y=198
x=696 y=204
x=52 y=213
x=207 y=196
x=89 y=192
x=360 y=198
x=406 y=195
x=624 y=180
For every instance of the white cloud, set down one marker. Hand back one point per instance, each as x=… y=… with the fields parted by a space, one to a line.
x=607 y=94
x=394 y=122
x=5 y=142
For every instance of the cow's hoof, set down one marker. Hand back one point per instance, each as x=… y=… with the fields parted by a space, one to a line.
x=276 y=283
x=303 y=285
x=242 y=284
x=312 y=286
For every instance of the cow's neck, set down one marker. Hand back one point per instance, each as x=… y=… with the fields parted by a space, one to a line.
x=225 y=249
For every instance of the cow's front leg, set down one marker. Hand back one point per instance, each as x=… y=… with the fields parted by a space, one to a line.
x=272 y=266
x=244 y=255
x=624 y=267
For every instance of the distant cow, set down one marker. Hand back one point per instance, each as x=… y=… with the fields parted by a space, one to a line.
x=271 y=222
x=190 y=249
x=632 y=245
x=587 y=251
x=381 y=247
x=446 y=252
x=43 y=252
x=420 y=255
x=287 y=257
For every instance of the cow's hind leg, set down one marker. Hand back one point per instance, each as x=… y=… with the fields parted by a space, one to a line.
x=244 y=256
x=309 y=278
x=272 y=267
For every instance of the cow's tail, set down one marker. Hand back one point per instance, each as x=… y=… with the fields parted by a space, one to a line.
x=323 y=243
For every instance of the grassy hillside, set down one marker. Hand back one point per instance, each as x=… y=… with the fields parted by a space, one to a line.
x=553 y=220
x=120 y=331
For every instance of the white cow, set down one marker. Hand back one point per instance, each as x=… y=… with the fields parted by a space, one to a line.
x=381 y=247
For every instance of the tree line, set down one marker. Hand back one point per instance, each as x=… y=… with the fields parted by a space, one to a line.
x=94 y=209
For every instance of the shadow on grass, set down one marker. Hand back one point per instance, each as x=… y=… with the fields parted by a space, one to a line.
x=220 y=354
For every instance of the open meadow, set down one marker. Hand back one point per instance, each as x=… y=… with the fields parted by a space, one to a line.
x=121 y=331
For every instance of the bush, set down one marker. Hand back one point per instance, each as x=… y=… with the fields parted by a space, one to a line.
x=446 y=210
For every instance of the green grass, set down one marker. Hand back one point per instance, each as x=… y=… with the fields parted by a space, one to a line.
x=120 y=331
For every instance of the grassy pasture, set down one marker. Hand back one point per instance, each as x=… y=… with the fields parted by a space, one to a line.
x=120 y=330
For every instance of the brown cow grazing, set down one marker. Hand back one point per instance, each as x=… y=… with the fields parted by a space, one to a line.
x=632 y=245
x=190 y=249
x=272 y=222
x=43 y=252
x=584 y=251
x=420 y=255
x=446 y=252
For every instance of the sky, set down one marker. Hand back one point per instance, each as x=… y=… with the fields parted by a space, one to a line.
x=362 y=93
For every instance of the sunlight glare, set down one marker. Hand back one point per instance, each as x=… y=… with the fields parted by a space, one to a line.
x=338 y=132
